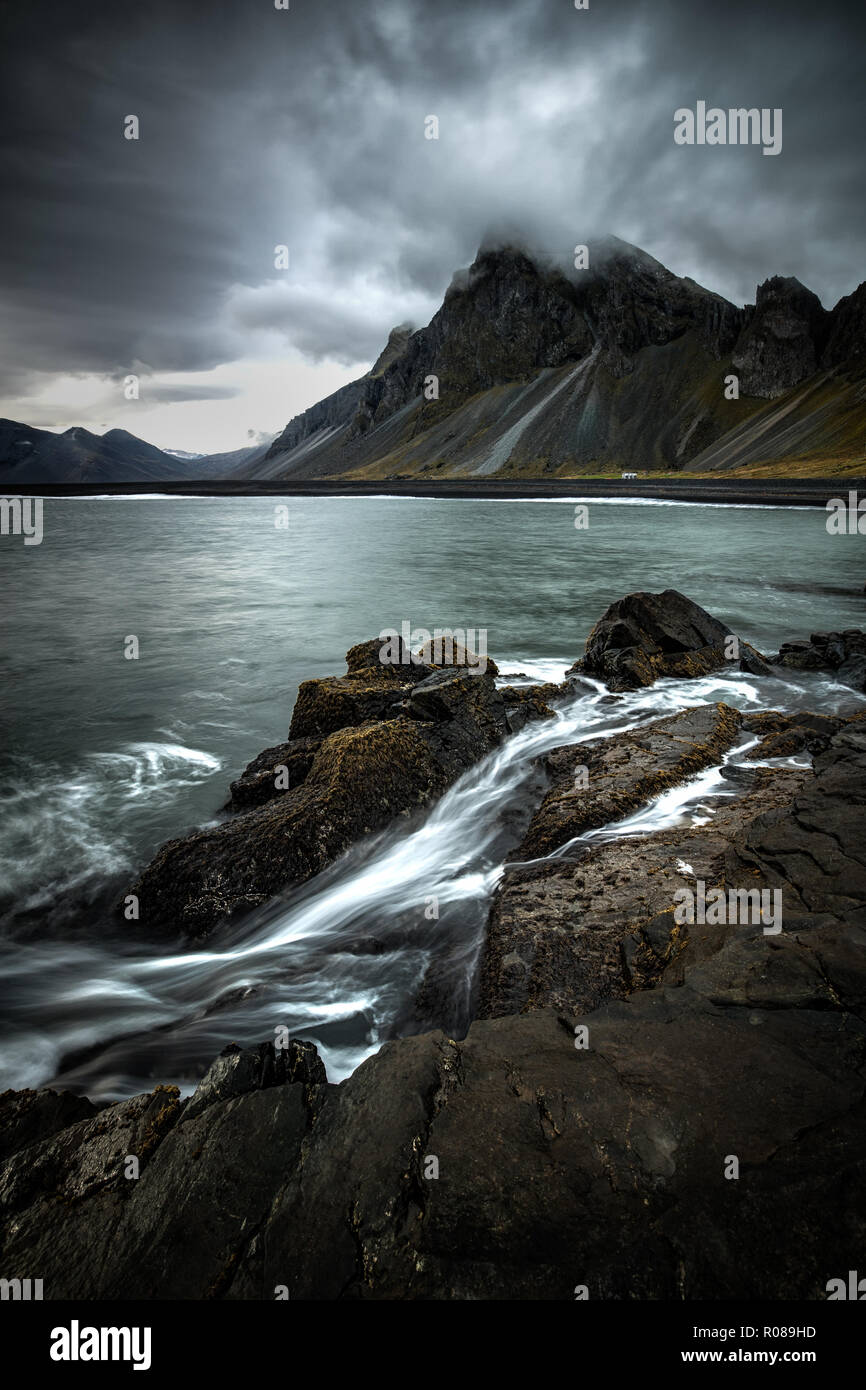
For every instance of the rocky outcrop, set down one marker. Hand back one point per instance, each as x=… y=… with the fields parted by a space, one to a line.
x=783 y=735
x=648 y=1105
x=158 y=1195
x=26 y=1117
x=528 y=702
x=784 y=339
x=364 y=748
x=843 y=653
x=703 y=1138
x=846 y=342
x=594 y=783
x=556 y=927
x=644 y=636
x=817 y=851
x=386 y=739
x=596 y=924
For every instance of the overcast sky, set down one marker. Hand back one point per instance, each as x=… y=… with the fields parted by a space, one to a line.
x=306 y=127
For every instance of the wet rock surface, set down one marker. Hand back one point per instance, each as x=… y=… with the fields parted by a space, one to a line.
x=602 y=780
x=843 y=653
x=784 y=735
x=364 y=748
x=598 y=923
x=623 y=1054
x=28 y=1116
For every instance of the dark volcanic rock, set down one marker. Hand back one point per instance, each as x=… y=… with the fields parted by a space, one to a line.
x=208 y=1169
x=26 y=1117
x=644 y=347
x=446 y=654
x=267 y=775
x=644 y=636
x=360 y=779
x=568 y=1146
x=571 y=933
x=531 y=1157
x=364 y=748
x=817 y=852
x=572 y=930
x=529 y=702
x=508 y=316
x=602 y=780
x=62 y=1198
x=843 y=653
x=783 y=735
x=560 y=1167
x=239 y=1070
x=341 y=702
x=847 y=339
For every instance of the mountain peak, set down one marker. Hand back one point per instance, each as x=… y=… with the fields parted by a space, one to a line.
x=396 y=344
x=121 y=436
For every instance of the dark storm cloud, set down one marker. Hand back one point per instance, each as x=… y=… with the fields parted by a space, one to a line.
x=305 y=127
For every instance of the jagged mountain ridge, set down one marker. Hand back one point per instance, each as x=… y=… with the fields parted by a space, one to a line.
x=544 y=372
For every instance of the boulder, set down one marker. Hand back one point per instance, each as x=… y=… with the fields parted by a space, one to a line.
x=644 y=636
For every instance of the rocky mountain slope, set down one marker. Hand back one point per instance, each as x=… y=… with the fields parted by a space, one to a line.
x=542 y=371
x=533 y=370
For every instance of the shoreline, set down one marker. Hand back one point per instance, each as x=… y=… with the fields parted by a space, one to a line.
x=813 y=492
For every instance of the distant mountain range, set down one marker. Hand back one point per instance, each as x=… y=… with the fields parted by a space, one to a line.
x=29 y=456
x=530 y=370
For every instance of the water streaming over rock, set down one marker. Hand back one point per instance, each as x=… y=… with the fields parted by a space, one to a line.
x=341 y=961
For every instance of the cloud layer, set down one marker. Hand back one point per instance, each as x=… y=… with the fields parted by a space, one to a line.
x=306 y=128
